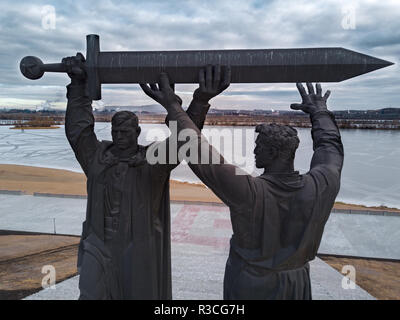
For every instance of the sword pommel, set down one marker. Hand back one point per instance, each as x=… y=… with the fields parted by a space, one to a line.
x=33 y=68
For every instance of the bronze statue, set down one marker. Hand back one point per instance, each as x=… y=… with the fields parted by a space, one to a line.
x=278 y=217
x=125 y=246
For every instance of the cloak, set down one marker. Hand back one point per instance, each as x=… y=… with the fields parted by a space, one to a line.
x=125 y=250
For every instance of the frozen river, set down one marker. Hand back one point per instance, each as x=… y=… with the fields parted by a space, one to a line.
x=370 y=176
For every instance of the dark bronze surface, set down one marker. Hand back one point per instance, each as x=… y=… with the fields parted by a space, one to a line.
x=247 y=66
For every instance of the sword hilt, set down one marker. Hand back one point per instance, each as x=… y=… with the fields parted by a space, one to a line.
x=33 y=68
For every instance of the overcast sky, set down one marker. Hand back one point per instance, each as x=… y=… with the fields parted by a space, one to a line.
x=370 y=27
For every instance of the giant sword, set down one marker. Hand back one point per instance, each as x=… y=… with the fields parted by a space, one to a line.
x=247 y=66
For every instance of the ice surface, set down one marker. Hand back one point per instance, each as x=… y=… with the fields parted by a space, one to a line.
x=371 y=173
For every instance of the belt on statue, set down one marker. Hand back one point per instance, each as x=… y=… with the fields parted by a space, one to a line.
x=111 y=223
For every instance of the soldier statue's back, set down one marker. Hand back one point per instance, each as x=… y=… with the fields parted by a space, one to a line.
x=278 y=217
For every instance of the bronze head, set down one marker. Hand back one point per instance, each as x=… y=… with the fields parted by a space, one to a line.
x=275 y=143
x=125 y=130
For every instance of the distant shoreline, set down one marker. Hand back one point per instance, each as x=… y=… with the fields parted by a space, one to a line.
x=33 y=128
x=299 y=122
x=241 y=124
x=227 y=124
x=30 y=180
x=219 y=119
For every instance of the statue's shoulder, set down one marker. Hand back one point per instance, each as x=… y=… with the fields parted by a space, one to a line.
x=104 y=144
x=103 y=149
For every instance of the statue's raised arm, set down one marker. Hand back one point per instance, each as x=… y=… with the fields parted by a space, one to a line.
x=218 y=174
x=327 y=161
x=79 y=120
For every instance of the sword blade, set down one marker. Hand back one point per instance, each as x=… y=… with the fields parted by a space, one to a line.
x=247 y=66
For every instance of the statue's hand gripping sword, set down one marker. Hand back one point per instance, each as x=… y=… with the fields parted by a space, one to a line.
x=247 y=66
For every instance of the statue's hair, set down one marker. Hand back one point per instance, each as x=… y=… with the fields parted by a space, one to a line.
x=122 y=116
x=284 y=138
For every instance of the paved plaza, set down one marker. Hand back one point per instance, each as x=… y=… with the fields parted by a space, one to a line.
x=198 y=271
x=200 y=243
x=374 y=236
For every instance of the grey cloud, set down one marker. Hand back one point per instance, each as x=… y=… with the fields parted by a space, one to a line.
x=174 y=25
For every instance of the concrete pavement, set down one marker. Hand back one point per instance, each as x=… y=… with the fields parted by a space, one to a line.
x=200 y=242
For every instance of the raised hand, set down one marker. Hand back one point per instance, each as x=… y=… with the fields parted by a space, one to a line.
x=164 y=93
x=75 y=68
x=313 y=101
x=211 y=83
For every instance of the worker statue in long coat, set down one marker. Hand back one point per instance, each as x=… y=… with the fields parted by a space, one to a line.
x=278 y=217
x=125 y=250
